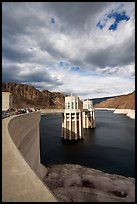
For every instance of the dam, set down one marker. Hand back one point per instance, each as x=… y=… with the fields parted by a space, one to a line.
x=22 y=171
x=21 y=152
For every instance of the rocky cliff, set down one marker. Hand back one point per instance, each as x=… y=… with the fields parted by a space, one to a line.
x=28 y=96
x=119 y=102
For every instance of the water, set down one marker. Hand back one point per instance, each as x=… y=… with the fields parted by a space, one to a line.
x=109 y=147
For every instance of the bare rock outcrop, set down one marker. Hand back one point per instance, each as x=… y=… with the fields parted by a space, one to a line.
x=28 y=96
x=75 y=183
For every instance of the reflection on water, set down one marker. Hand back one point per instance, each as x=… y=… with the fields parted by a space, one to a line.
x=109 y=147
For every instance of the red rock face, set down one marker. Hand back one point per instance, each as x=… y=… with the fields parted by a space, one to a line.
x=120 y=102
x=27 y=96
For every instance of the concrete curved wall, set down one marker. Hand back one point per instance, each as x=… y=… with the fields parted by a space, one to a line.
x=21 y=158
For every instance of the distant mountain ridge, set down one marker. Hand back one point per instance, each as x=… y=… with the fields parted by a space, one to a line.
x=119 y=102
x=99 y=100
x=28 y=96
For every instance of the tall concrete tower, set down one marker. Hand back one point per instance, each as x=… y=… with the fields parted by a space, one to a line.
x=72 y=119
x=88 y=114
x=6 y=100
x=75 y=120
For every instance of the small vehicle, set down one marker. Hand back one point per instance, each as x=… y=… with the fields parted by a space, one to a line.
x=20 y=111
x=5 y=114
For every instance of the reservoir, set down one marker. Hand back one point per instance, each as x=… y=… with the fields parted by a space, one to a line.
x=109 y=147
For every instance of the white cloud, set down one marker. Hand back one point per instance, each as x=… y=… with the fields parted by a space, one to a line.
x=90 y=85
x=33 y=47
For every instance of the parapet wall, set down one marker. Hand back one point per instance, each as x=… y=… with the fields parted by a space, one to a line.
x=24 y=131
x=21 y=158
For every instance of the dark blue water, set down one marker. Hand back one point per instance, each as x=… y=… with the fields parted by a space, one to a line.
x=109 y=147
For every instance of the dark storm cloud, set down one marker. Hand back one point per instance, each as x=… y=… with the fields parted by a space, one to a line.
x=114 y=55
x=38 y=77
x=16 y=55
x=21 y=17
x=74 y=14
x=28 y=18
x=11 y=73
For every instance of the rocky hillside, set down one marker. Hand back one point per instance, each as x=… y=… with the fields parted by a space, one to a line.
x=27 y=96
x=120 y=102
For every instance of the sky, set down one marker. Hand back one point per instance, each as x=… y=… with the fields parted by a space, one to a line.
x=86 y=49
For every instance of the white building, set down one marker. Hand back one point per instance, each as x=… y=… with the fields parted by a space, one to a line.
x=6 y=100
x=72 y=119
x=71 y=102
x=75 y=119
x=88 y=104
x=88 y=114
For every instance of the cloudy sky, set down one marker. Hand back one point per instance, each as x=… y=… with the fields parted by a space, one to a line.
x=80 y=48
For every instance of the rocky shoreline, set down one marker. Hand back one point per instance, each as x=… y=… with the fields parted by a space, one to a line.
x=130 y=113
x=75 y=183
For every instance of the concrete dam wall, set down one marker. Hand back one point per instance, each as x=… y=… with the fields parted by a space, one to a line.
x=22 y=172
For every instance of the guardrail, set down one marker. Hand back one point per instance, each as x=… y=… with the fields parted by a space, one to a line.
x=51 y=111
